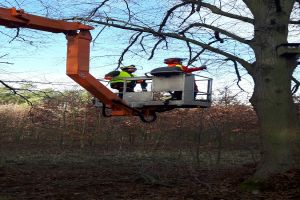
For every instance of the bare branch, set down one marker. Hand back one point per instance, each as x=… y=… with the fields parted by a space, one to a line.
x=218 y=11
x=96 y=9
x=154 y=48
x=17 y=35
x=40 y=82
x=239 y=78
x=129 y=12
x=14 y=91
x=127 y=48
x=216 y=29
x=199 y=53
x=4 y=55
x=190 y=50
x=191 y=13
x=7 y=63
x=98 y=34
x=169 y=12
x=140 y=29
x=243 y=62
x=141 y=43
x=13 y=37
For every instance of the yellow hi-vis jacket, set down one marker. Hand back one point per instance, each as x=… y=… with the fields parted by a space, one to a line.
x=120 y=78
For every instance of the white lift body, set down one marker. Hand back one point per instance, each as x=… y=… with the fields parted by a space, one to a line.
x=161 y=86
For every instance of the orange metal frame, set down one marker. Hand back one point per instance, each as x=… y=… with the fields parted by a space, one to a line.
x=78 y=53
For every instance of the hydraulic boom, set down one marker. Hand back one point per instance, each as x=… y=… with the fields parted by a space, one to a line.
x=78 y=54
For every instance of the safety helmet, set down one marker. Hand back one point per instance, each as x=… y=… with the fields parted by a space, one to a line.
x=128 y=67
x=173 y=60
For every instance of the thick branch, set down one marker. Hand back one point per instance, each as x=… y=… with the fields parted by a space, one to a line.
x=242 y=40
x=218 y=11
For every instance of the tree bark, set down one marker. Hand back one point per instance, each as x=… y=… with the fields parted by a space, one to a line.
x=277 y=114
x=272 y=98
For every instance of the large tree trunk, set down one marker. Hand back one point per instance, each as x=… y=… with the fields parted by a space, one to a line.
x=272 y=97
x=277 y=114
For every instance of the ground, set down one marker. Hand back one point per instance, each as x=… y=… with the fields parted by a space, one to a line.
x=32 y=172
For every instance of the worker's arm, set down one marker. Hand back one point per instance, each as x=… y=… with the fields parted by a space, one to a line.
x=189 y=70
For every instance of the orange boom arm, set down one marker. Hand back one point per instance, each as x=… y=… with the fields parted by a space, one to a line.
x=78 y=53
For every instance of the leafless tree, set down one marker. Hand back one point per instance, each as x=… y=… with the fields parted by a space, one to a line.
x=251 y=33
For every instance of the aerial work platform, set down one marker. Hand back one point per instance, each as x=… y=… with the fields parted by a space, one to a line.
x=142 y=104
x=161 y=87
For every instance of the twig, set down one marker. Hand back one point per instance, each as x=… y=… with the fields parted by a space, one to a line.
x=127 y=48
x=129 y=12
x=199 y=53
x=169 y=12
x=4 y=55
x=237 y=73
x=14 y=91
x=154 y=48
x=7 y=63
x=94 y=40
x=141 y=43
x=17 y=35
x=191 y=13
x=96 y=9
